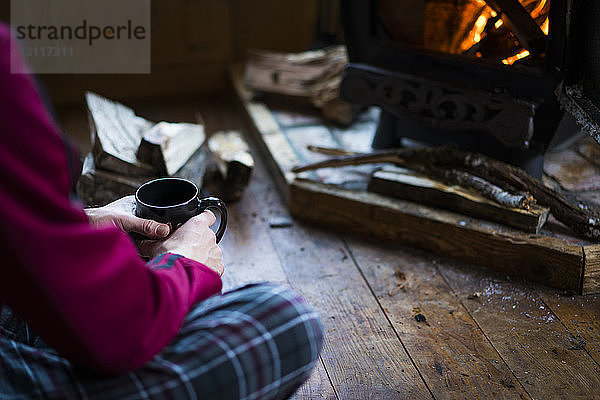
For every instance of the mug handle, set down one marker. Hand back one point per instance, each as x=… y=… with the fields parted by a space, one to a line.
x=215 y=203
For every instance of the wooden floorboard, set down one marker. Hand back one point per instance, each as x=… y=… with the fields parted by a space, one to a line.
x=581 y=316
x=529 y=337
x=451 y=352
x=362 y=354
x=245 y=260
x=318 y=386
x=248 y=262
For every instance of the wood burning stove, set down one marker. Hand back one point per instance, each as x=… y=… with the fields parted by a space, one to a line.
x=485 y=76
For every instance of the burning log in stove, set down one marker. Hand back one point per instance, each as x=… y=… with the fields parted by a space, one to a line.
x=522 y=23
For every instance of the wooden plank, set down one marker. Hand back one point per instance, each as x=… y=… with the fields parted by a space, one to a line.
x=362 y=354
x=285 y=150
x=194 y=169
x=548 y=260
x=405 y=184
x=591 y=277
x=96 y=187
x=581 y=316
x=233 y=155
x=271 y=204
x=244 y=260
x=452 y=354
x=530 y=338
x=261 y=116
x=316 y=387
x=132 y=145
x=310 y=77
x=248 y=253
x=249 y=256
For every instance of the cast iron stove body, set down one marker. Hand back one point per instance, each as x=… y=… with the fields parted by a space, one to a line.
x=491 y=84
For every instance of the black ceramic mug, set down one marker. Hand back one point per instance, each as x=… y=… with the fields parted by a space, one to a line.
x=175 y=200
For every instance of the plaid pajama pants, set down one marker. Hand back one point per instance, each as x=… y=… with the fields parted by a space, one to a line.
x=260 y=341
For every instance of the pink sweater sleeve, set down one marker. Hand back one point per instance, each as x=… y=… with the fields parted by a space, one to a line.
x=83 y=290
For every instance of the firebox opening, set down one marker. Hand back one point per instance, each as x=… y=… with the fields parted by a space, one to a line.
x=493 y=32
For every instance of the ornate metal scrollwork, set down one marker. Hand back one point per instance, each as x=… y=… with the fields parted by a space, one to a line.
x=508 y=119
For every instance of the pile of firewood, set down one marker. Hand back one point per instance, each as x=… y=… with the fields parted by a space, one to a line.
x=502 y=183
x=313 y=77
x=128 y=150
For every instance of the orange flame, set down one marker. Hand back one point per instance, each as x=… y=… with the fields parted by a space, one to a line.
x=546 y=26
x=478 y=31
x=537 y=11
x=511 y=60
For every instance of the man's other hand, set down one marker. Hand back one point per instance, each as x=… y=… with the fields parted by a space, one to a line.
x=194 y=240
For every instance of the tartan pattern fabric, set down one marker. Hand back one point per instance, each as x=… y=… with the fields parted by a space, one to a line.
x=165 y=260
x=259 y=341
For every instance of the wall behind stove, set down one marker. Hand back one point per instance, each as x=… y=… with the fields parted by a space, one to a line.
x=193 y=44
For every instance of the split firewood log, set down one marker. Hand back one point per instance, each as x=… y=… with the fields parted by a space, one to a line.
x=230 y=167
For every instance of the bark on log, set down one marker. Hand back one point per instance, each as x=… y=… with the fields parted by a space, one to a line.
x=488 y=190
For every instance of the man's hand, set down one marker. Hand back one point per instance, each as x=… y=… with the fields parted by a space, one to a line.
x=121 y=214
x=194 y=240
